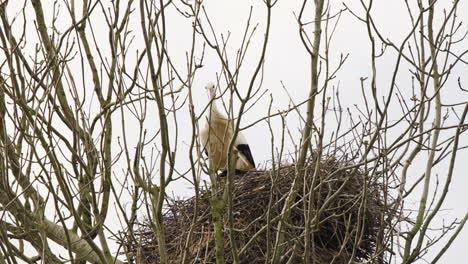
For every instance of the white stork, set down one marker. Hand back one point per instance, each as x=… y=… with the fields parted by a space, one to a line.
x=217 y=134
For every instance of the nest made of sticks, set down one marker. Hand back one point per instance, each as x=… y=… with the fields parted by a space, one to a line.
x=348 y=228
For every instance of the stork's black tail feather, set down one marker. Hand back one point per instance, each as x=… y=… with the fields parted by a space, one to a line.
x=244 y=149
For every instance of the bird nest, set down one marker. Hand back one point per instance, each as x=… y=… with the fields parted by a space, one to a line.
x=349 y=227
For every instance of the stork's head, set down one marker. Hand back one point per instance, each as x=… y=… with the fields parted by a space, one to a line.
x=211 y=90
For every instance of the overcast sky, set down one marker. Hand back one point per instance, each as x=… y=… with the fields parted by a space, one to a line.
x=287 y=62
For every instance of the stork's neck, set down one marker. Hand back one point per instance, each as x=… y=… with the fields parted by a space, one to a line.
x=214 y=111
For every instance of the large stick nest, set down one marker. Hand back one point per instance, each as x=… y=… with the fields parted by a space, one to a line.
x=350 y=227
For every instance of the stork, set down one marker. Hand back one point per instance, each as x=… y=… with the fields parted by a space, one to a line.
x=217 y=134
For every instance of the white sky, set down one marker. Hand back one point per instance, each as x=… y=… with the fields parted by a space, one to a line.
x=287 y=62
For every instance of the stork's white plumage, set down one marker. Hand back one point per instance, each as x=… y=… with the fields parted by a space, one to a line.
x=217 y=134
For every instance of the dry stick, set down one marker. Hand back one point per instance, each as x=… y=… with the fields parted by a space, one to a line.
x=448 y=180
x=449 y=175
x=408 y=256
x=2 y=257
x=217 y=207
x=85 y=182
x=228 y=199
x=273 y=176
x=306 y=136
x=452 y=238
x=421 y=113
x=193 y=141
x=158 y=195
x=249 y=91
x=309 y=235
x=308 y=238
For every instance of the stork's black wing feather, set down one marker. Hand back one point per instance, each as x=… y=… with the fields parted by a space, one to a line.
x=245 y=150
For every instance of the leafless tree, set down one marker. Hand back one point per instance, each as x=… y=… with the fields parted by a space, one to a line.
x=95 y=129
